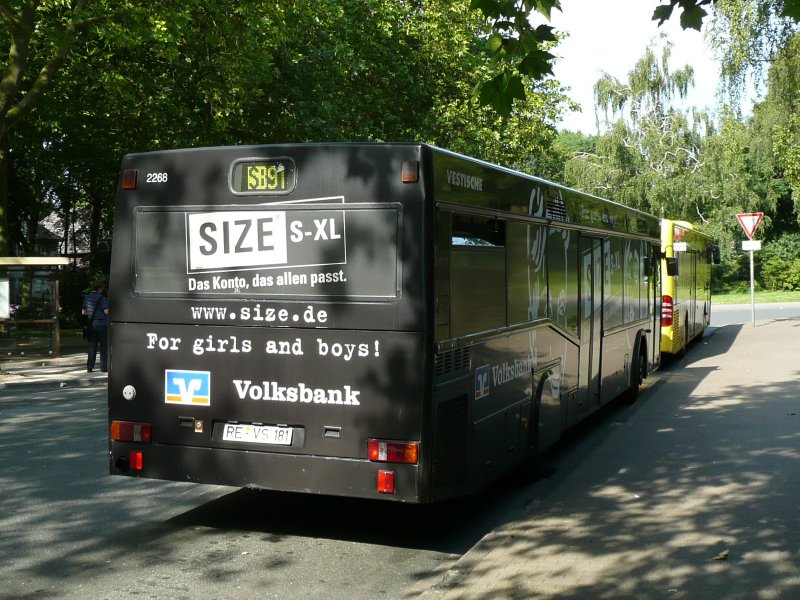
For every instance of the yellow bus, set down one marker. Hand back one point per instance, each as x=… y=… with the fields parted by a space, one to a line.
x=686 y=284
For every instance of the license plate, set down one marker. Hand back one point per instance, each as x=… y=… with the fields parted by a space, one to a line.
x=257 y=434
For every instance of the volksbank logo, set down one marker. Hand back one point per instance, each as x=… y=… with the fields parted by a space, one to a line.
x=187 y=387
x=482 y=382
x=271 y=391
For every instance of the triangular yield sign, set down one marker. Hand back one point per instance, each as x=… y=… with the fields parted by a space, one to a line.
x=749 y=222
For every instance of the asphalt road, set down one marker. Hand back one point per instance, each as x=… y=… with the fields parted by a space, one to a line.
x=69 y=530
x=739 y=314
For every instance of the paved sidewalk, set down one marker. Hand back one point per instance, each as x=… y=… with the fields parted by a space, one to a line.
x=696 y=495
x=68 y=370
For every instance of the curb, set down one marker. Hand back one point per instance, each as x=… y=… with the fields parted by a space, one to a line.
x=44 y=361
x=48 y=373
x=26 y=385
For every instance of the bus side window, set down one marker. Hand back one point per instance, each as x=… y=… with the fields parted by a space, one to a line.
x=562 y=278
x=477 y=275
x=632 y=278
x=614 y=286
x=527 y=264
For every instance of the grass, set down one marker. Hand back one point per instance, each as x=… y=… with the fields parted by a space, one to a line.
x=761 y=297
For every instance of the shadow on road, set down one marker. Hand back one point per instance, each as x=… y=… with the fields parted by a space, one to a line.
x=62 y=519
x=706 y=468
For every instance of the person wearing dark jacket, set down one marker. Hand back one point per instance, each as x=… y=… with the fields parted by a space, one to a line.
x=95 y=308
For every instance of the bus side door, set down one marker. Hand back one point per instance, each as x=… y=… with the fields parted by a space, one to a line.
x=591 y=324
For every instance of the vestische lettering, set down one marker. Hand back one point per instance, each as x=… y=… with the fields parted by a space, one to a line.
x=463 y=180
x=272 y=392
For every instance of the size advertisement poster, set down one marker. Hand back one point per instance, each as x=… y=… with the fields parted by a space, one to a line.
x=229 y=240
x=277 y=250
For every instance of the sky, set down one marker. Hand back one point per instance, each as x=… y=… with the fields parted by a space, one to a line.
x=610 y=36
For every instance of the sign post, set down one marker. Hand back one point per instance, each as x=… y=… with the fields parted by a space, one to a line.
x=749 y=222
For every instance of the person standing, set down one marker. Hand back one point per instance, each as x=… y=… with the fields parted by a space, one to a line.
x=95 y=308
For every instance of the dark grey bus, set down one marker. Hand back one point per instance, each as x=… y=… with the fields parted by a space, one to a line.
x=389 y=321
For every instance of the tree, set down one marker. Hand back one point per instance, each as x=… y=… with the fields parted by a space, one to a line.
x=747 y=35
x=682 y=164
x=651 y=153
x=39 y=35
x=251 y=71
x=776 y=120
x=44 y=38
x=519 y=49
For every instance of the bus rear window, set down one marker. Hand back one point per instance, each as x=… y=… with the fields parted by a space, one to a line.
x=257 y=251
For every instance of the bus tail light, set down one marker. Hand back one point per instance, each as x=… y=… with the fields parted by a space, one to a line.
x=666 y=311
x=386 y=482
x=128 y=431
x=393 y=452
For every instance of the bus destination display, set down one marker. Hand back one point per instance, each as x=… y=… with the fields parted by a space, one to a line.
x=272 y=176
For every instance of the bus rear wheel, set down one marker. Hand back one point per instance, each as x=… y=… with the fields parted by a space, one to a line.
x=637 y=377
x=684 y=340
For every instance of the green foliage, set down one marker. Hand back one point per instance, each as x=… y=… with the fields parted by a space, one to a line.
x=747 y=34
x=777 y=116
x=161 y=75
x=650 y=154
x=680 y=164
x=786 y=248
x=791 y=9
x=780 y=263
x=518 y=51
x=691 y=17
x=777 y=274
x=571 y=143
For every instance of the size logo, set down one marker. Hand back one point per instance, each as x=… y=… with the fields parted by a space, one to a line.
x=187 y=387
x=263 y=239
x=241 y=239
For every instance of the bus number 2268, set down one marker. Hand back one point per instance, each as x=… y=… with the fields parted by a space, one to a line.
x=156 y=178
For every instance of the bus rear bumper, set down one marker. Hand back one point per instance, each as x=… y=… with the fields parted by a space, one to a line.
x=326 y=475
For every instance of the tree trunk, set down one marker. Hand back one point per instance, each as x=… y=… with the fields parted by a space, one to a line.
x=5 y=246
x=94 y=233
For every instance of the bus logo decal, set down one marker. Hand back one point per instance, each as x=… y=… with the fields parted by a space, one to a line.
x=187 y=387
x=233 y=240
x=481 y=382
x=230 y=240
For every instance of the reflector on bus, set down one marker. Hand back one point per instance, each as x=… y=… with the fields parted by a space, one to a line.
x=410 y=171
x=385 y=482
x=135 y=460
x=129 y=177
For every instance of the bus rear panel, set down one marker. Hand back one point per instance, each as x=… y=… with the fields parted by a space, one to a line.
x=268 y=319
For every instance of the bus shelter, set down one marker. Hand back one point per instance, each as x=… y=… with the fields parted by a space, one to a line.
x=29 y=306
